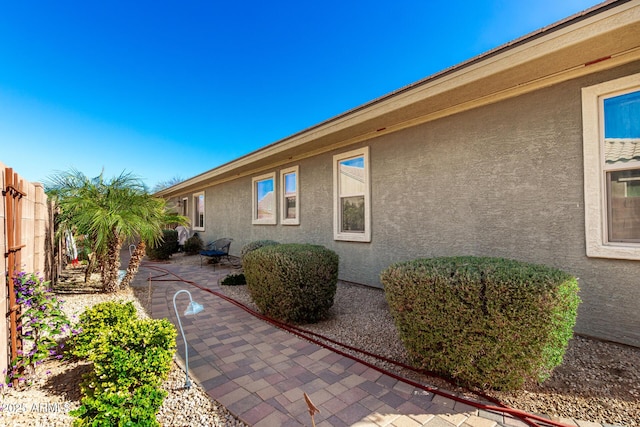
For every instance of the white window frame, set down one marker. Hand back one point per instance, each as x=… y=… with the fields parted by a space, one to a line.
x=595 y=185
x=194 y=198
x=337 y=219
x=184 y=210
x=283 y=205
x=254 y=200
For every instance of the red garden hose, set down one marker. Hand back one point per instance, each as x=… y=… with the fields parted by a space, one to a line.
x=530 y=419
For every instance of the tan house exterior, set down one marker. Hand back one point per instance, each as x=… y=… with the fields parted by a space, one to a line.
x=503 y=155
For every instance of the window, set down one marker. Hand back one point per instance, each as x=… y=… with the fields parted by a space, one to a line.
x=185 y=207
x=264 y=199
x=289 y=199
x=351 y=212
x=611 y=127
x=198 y=211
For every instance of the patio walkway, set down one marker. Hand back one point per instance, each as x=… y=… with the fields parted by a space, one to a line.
x=259 y=372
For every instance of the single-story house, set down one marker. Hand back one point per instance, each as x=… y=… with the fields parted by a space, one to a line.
x=530 y=151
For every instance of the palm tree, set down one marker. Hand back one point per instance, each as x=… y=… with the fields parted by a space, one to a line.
x=156 y=214
x=111 y=212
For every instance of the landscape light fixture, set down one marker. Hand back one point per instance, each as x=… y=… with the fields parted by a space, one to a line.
x=192 y=308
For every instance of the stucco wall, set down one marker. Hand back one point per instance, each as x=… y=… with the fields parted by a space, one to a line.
x=502 y=180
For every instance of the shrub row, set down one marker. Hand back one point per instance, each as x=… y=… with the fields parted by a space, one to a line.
x=485 y=322
x=292 y=282
x=488 y=322
x=131 y=358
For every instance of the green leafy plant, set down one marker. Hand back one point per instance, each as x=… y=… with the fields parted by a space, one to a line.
x=133 y=353
x=292 y=282
x=486 y=322
x=193 y=245
x=164 y=249
x=120 y=409
x=131 y=357
x=42 y=320
x=234 y=280
x=95 y=321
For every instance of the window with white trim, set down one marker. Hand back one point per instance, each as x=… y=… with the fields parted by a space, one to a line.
x=264 y=199
x=289 y=196
x=611 y=132
x=351 y=201
x=198 y=211
x=185 y=207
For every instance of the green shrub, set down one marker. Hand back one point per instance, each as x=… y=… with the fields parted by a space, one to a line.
x=97 y=320
x=120 y=409
x=131 y=358
x=164 y=249
x=256 y=244
x=487 y=322
x=234 y=280
x=134 y=353
x=193 y=245
x=292 y=282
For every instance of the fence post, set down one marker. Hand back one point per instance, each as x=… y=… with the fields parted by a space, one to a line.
x=13 y=193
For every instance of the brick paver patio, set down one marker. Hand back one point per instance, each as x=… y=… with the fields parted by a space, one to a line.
x=260 y=373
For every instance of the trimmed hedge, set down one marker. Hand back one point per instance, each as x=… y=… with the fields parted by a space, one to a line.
x=165 y=248
x=131 y=358
x=292 y=282
x=256 y=244
x=486 y=322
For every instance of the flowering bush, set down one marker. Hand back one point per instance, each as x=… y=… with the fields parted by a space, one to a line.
x=42 y=319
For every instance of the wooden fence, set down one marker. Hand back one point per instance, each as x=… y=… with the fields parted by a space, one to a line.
x=26 y=244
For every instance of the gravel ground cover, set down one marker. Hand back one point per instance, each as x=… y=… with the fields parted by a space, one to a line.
x=55 y=390
x=598 y=381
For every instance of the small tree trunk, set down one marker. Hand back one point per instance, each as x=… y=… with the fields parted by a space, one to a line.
x=112 y=264
x=134 y=264
x=91 y=266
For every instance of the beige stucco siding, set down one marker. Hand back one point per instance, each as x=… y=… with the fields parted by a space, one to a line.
x=505 y=180
x=228 y=211
x=502 y=180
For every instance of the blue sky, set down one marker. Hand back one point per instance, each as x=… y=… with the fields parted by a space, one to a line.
x=173 y=89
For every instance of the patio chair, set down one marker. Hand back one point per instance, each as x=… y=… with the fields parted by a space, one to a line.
x=217 y=250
